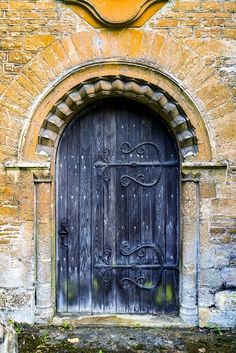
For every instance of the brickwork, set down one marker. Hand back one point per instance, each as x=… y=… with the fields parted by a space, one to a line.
x=188 y=50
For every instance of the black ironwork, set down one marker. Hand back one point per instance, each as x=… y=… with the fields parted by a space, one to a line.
x=105 y=164
x=104 y=266
x=63 y=228
x=63 y=231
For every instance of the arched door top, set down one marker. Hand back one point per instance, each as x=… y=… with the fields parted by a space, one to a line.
x=117 y=187
x=112 y=86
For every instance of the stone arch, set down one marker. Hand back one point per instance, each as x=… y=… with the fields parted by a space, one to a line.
x=143 y=50
x=34 y=138
x=112 y=86
x=139 y=58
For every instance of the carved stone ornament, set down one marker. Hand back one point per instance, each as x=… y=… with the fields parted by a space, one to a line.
x=115 y=13
x=115 y=86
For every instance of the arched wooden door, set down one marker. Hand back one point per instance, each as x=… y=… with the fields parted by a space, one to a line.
x=117 y=212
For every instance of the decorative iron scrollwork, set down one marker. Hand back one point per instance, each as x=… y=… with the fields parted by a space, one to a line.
x=105 y=164
x=127 y=282
x=127 y=149
x=104 y=266
x=140 y=250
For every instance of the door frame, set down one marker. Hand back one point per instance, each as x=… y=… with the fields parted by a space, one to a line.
x=45 y=303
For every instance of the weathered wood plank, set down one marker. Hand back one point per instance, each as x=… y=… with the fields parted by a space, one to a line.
x=73 y=196
x=62 y=217
x=133 y=189
x=85 y=216
x=110 y=205
x=122 y=201
x=102 y=214
x=97 y=132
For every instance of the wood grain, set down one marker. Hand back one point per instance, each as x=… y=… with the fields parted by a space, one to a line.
x=102 y=213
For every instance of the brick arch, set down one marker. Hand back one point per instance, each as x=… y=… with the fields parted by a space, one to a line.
x=150 y=54
x=112 y=86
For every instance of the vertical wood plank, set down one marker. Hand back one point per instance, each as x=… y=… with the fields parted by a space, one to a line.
x=110 y=204
x=85 y=215
x=171 y=227
x=73 y=207
x=62 y=216
x=147 y=231
x=133 y=190
x=122 y=201
x=97 y=146
x=158 y=135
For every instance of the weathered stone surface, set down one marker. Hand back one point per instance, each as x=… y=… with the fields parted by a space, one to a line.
x=226 y=300
x=17 y=304
x=229 y=276
x=46 y=50
x=8 y=338
x=125 y=340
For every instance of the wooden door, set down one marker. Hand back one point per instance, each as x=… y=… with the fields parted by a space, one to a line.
x=117 y=212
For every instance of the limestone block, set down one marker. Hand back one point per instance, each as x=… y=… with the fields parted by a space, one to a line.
x=207 y=190
x=210 y=277
x=205 y=209
x=8 y=338
x=228 y=275
x=204 y=316
x=12 y=276
x=222 y=319
x=44 y=295
x=226 y=300
x=222 y=256
x=224 y=207
x=44 y=271
x=18 y=304
x=14 y=299
x=207 y=258
x=206 y=298
x=216 y=318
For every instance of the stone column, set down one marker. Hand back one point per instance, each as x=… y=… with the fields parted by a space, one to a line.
x=189 y=251
x=43 y=249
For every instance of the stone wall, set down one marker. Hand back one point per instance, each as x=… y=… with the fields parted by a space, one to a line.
x=8 y=338
x=46 y=49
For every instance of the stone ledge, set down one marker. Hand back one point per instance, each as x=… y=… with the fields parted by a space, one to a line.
x=26 y=165
x=46 y=165
x=205 y=165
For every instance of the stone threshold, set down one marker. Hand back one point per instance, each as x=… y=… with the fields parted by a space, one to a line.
x=161 y=321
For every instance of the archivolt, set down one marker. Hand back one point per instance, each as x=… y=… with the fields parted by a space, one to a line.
x=111 y=86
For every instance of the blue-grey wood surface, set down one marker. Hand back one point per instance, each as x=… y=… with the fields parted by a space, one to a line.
x=102 y=214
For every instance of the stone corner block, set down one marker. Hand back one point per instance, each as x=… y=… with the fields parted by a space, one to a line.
x=226 y=300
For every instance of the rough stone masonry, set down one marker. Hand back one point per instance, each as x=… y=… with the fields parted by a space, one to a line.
x=188 y=50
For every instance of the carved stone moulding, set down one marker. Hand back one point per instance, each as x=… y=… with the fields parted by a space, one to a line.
x=116 y=86
x=115 y=13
